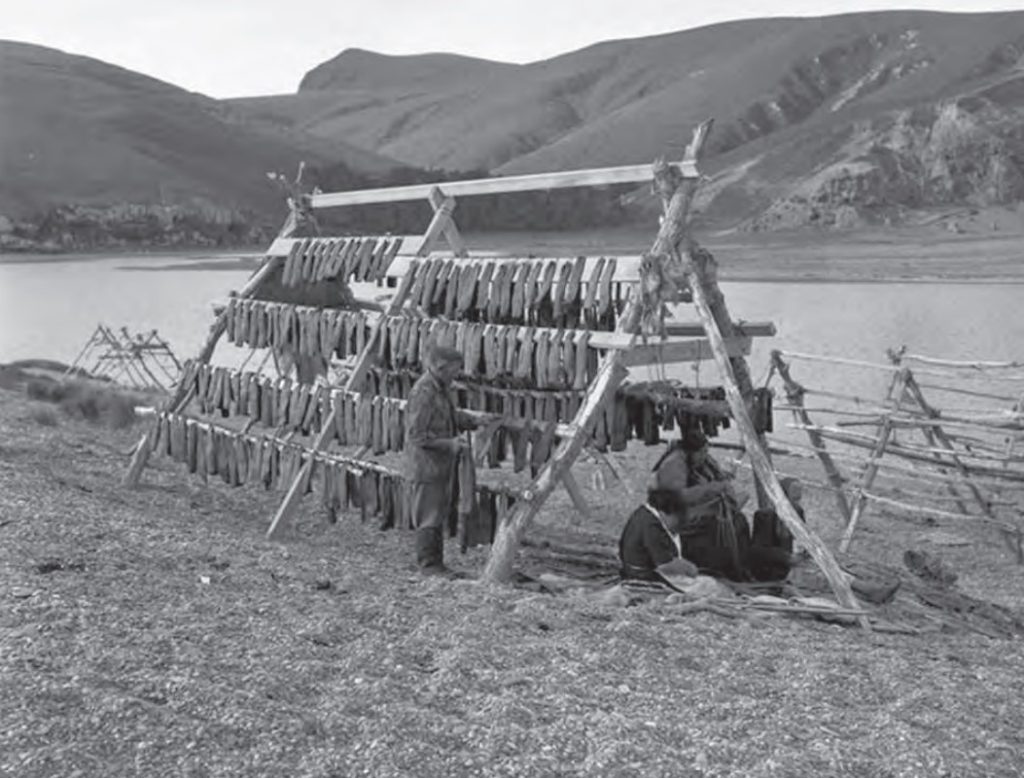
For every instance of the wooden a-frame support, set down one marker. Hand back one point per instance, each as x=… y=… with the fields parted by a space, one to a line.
x=441 y=225
x=700 y=273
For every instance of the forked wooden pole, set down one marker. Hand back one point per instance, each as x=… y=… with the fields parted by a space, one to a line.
x=896 y=356
x=444 y=209
x=442 y=224
x=795 y=394
x=871 y=469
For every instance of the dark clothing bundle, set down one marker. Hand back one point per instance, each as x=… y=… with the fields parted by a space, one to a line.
x=645 y=545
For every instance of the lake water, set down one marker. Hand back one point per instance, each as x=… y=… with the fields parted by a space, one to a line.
x=48 y=309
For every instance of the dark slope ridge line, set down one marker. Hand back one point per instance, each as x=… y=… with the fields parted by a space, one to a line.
x=75 y=129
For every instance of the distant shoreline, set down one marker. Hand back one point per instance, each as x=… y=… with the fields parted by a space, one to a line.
x=865 y=257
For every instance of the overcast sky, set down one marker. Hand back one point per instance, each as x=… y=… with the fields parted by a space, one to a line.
x=232 y=48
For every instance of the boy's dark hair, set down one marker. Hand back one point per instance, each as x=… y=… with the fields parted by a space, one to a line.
x=665 y=500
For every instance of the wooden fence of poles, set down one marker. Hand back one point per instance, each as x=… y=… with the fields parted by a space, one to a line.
x=908 y=452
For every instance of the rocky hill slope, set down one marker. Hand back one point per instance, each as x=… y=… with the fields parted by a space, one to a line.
x=829 y=121
x=93 y=154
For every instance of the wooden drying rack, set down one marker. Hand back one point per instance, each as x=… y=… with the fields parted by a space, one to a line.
x=693 y=269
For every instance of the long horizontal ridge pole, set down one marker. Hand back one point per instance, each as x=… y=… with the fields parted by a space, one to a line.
x=630 y=174
x=672 y=351
x=750 y=329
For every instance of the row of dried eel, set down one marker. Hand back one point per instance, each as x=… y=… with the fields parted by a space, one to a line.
x=515 y=355
x=302 y=329
x=351 y=259
x=537 y=292
x=238 y=459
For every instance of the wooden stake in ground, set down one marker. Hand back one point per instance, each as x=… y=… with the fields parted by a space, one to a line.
x=871 y=470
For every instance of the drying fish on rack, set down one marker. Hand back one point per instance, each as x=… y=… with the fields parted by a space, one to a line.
x=483 y=290
x=467 y=288
x=312 y=260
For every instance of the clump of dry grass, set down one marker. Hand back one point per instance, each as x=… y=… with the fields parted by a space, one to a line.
x=106 y=405
x=43 y=416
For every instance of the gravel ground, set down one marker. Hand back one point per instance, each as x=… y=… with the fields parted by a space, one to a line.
x=154 y=632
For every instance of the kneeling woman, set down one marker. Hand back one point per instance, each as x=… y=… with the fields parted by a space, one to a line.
x=649 y=544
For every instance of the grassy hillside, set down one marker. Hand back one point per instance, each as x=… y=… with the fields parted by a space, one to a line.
x=792 y=99
x=75 y=130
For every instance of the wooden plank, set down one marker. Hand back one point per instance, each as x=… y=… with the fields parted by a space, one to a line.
x=955 y=364
x=671 y=351
x=630 y=174
x=750 y=329
x=904 y=451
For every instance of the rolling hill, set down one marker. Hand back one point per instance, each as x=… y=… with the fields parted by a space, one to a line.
x=112 y=144
x=829 y=121
x=872 y=118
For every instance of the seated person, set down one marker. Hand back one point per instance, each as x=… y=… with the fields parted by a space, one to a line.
x=713 y=531
x=649 y=546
